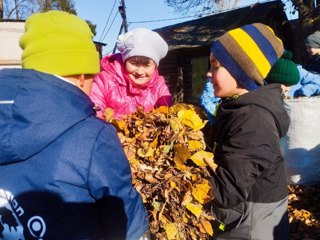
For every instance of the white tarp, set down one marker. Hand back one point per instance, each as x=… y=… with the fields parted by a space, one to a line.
x=302 y=143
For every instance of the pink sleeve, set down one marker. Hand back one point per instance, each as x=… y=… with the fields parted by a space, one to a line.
x=98 y=93
x=164 y=101
x=164 y=96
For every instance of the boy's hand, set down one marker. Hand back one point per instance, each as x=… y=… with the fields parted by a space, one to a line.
x=211 y=164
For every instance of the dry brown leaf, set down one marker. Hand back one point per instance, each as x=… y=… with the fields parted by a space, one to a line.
x=182 y=154
x=171 y=230
x=195 y=209
x=207 y=226
x=108 y=114
x=195 y=145
x=191 y=119
x=201 y=190
x=162 y=109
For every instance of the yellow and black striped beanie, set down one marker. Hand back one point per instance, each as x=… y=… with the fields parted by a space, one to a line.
x=248 y=53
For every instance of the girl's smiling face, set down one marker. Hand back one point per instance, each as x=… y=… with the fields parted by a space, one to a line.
x=140 y=72
x=224 y=84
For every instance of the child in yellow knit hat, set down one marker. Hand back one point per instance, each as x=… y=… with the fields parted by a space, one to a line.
x=63 y=168
x=249 y=183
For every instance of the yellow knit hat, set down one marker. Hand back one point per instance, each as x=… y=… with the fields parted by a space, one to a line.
x=60 y=43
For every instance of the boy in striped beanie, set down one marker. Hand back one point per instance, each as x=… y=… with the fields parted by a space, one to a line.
x=249 y=183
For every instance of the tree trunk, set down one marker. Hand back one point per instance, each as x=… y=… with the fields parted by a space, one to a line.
x=309 y=22
x=1 y=9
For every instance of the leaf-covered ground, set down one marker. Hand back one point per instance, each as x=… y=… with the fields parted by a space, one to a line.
x=304 y=212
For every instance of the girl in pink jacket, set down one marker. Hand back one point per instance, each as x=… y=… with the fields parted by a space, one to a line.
x=130 y=78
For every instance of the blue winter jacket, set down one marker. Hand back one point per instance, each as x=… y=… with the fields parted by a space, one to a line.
x=209 y=101
x=63 y=171
x=308 y=85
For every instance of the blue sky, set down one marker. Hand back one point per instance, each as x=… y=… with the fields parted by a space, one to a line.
x=155 y=12
x=98 y=11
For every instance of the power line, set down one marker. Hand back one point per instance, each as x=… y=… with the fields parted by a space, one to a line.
x=110 y=26
x=163 y=20
x=105 y=26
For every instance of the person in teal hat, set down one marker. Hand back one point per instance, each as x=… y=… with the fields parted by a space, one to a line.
x=64 y=174
x=295 y=79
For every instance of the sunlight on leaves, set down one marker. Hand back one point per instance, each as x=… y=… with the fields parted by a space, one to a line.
x=198 y=158
x=191 y=119
x=200 y=191
x=195 y=209
x=171 y=230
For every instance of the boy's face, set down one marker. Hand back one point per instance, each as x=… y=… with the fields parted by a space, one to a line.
x=223 y=82
x=312 y=51
x=140 y=73
x=87 y=85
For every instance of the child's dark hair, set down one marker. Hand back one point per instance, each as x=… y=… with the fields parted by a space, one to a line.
x=140 y=60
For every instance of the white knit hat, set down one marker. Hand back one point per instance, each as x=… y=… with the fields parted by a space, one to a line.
x=142 y=42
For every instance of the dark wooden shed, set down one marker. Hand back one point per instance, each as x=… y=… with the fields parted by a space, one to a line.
x=186 y=63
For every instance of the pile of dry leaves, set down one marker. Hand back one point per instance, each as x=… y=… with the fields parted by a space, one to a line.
x=304 y=212
x=166 y=151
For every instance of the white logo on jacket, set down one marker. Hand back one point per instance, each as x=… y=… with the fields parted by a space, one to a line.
x=10 y=225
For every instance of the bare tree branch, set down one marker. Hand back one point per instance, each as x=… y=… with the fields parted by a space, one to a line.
x=199 y=6
x=23 y=8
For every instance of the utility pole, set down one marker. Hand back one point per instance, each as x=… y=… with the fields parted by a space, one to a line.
x=124 y=25
x=16 y=3
x=115 y=46
x=122 y=10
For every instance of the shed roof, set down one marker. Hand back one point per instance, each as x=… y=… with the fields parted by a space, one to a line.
x=203 y=31
x=10 y=51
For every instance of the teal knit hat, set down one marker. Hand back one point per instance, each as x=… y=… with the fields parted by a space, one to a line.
x=284 y=71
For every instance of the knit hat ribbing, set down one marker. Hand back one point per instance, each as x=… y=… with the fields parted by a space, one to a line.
x=313 y=40
x=60 y=43
x=284 y=71
x=142 y=42
x=248 y=53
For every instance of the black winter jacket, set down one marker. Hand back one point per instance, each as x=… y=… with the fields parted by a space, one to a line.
x=313 y=65
x=250 y=187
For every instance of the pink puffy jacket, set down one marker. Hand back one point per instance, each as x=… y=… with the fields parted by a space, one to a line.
x=113 y=89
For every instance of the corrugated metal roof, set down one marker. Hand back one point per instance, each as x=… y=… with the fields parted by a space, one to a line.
x=10 y=52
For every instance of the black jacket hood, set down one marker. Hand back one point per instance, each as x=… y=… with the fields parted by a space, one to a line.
x=263 y=97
